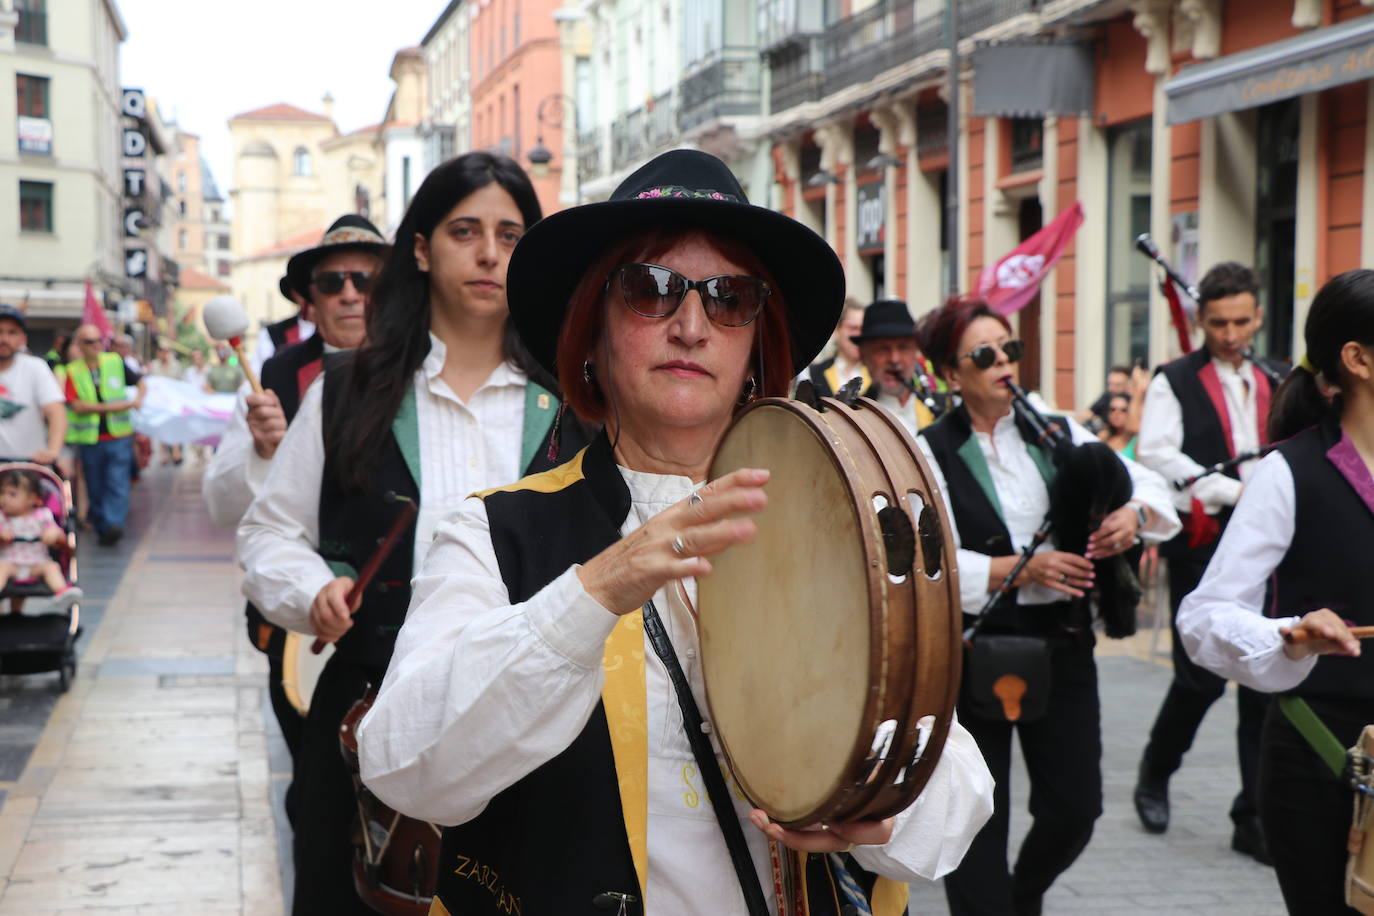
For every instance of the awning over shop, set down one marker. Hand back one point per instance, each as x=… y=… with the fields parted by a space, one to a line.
x=1317 y=60
x=1031 y=79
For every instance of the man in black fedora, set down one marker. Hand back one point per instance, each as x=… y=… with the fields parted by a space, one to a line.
x=888 y=349
x=333 y=281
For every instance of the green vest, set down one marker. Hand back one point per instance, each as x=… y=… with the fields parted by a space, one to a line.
x=84 y=428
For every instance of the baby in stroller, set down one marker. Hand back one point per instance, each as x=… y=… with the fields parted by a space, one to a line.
x=27 y=532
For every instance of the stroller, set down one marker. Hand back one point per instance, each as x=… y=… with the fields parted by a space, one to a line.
x=31 y=643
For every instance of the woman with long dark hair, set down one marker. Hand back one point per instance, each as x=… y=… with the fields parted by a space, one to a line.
x=440 y=401
x=1306 y=521
x=998 y=478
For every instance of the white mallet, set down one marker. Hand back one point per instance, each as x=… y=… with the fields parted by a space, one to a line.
x=226 y=320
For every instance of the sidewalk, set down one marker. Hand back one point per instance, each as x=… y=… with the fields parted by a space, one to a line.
x=148 y=792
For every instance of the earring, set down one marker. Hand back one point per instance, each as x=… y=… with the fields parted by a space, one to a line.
x=587 y=371
x=751 y=390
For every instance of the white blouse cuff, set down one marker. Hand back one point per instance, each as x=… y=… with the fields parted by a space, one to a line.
x=1271 y=667
x=571 y=622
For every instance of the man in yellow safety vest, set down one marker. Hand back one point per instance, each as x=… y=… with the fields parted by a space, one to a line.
x=98 y=388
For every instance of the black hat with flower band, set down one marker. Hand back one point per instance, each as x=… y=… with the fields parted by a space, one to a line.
x=680 y=188
x=349 y=232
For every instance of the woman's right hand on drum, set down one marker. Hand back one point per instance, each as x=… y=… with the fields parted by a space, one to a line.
x=330 y=615
x=1064 y=572
x=675 y=543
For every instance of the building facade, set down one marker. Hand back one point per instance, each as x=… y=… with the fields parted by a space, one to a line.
x=200 y=229
x=60 y=158
x=400 y=139
x=1227 y=130
x=446 y=124
x=294 y=174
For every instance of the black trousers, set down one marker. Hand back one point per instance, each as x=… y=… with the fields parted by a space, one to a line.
x=322 y=847
x=1306 y=810
x=1193 y=691
x=1063 y=754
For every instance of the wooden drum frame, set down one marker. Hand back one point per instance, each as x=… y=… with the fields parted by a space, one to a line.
x=830 y=645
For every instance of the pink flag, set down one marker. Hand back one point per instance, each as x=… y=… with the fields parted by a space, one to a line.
x=94 y=313
x=1013 y=281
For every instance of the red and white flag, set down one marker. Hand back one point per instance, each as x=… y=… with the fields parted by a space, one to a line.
x=1013 y=281
x=94 y=313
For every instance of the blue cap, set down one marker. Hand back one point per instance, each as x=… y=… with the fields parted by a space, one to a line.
x=12 y=313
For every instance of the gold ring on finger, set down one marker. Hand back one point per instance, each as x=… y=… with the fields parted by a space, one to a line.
x=1063 y=578
x=679 y=548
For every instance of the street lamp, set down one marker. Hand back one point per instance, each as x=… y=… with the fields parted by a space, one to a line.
x=540 y=155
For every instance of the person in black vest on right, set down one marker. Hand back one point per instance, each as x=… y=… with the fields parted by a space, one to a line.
x=1202 y=409
x=1306 y=520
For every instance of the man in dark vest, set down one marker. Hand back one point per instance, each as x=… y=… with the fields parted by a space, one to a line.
x=292 y=329
x=893 y=360
x=1202 y=409
x=335 y=278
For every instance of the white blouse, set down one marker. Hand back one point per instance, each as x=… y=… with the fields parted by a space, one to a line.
x=481 y=692
x=1025 y=499
x=465 y=446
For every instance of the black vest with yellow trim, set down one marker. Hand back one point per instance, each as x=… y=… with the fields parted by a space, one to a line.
x=352 y=523
x=572 y=833
x=977 y=509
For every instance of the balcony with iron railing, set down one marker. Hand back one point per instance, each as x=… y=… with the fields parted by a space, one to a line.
x=590 y=144
x=978 y=15
x=795 y=74
x=727 y=85
x=629 y=139
x=662 y=120
x=859 y=47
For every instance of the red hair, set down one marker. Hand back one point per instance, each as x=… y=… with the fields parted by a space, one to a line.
x=939 y=331
x=585 y=321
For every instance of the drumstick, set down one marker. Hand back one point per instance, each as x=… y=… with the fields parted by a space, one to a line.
x=374 y=562
x=1300 y=635
x=226 y=320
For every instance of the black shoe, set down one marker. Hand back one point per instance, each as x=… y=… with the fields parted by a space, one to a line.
x=111 y=536
x=1152 y=801
x=1248 y=839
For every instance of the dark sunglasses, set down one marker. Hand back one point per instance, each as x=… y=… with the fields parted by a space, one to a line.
x=985 y=355
x=330 y=282
x=88 y=340
x=656 y=292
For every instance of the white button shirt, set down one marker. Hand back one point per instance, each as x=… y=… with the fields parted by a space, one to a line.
x=1025 y=499
x=481 y=692
x=464 y=447
x=1160 y=446
x=906 y=413
x=1222 y=622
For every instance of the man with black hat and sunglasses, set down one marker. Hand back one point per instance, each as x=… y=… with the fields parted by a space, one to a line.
x=887 y=346
x=334 y=280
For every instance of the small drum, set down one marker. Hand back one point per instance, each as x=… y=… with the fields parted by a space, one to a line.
x=395 y=858
x=830 y=645
x=300 y=669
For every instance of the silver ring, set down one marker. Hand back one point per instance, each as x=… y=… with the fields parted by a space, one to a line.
x=679 y=548
x=695 y=499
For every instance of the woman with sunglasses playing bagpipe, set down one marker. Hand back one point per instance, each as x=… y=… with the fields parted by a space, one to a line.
x=1305 y=526
x=440 y=401
x=1011 y=475
x=532 y=702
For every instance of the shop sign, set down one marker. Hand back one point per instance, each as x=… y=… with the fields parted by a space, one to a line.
x=136 y=263
x=133 y=104
x=871 y=217
x=134 y=183
x=135 y=144
x=35 y=135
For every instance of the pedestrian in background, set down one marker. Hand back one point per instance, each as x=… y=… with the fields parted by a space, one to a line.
x=98 y=386
x=33 y=415
x=166 y=365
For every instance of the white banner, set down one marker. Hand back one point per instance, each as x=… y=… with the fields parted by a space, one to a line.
x=177 y=411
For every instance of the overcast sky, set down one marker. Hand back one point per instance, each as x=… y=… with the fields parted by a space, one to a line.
x=205 y=63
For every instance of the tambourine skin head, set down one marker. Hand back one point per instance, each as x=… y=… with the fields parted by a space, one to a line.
x=830 y=643
x=786 y=656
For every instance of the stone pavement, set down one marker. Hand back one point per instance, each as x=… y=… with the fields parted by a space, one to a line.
x=148 y=790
